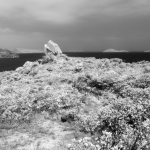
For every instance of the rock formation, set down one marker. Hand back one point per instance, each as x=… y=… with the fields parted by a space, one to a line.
x=52 y=49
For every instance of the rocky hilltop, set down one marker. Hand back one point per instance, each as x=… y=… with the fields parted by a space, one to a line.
x=6 y=53
x=65 y=103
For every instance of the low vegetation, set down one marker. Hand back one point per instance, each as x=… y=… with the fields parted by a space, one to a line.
x=105 y=103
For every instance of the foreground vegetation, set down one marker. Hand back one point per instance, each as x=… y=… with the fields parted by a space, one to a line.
x=105 y=102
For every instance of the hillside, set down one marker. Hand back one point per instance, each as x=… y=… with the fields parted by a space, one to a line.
x=6 y=53
x=67 y=103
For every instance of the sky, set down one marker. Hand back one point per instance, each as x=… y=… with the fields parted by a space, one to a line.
x=76 y=25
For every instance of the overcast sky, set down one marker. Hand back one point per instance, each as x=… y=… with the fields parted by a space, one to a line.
x=76 y=25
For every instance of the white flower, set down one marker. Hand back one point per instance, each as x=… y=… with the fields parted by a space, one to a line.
x=86 y=144
x=87 y=138
x=69 y=145
x=80 y=140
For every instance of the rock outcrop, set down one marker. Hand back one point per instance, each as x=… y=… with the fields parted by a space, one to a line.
x=52 y=49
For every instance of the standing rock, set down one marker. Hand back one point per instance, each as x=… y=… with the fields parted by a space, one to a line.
x=52 y=49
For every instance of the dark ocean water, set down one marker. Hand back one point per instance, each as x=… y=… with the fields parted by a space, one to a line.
x=7 y=64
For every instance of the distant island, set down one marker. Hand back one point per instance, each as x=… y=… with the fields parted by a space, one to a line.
x=113 y=50
x=147 y=51
x=6 y=53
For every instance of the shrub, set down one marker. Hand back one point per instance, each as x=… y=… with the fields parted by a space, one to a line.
x=47 y=59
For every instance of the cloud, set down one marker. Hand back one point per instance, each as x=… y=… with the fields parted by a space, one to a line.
x=6 y=30
x=66 y=11
x=76 y=24
x=122 y=8
x=58 y=11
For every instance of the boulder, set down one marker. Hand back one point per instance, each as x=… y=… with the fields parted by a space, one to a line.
x=52 y=49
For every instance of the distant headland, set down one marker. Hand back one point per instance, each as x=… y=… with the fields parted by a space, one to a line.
x=113 y=50
x=6 y=53
x=14 y=53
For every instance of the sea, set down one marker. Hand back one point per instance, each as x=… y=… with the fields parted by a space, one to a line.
x=8 y=64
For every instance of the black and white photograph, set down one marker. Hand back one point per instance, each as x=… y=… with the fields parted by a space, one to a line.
x=74 y=74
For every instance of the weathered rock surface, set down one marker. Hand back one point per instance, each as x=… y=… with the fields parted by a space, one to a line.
x=52 y=49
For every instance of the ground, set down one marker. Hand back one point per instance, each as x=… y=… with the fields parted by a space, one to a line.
x=42 y=133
